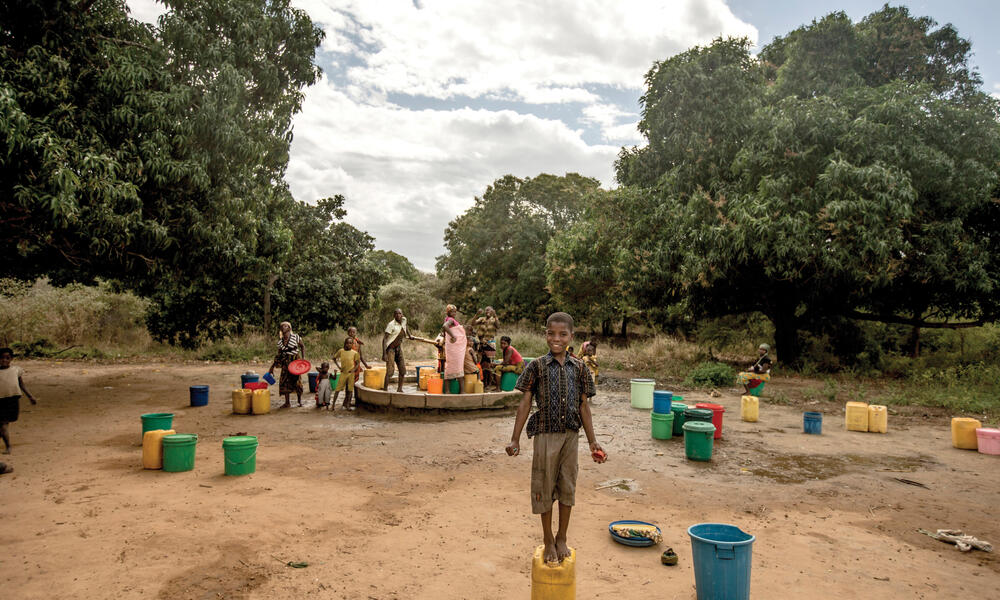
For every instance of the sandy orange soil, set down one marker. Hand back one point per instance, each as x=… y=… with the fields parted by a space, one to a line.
x=385 y=505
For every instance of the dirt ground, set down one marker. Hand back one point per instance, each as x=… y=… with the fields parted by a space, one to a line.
x=385 y=505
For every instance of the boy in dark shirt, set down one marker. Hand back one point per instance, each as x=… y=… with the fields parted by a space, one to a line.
x=560 y=385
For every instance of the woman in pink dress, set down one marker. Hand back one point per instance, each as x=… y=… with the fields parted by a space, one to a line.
x=454 y=346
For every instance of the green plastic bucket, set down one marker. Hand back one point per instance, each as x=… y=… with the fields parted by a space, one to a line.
x=698 y=437
x=241 y=454
x=642 y=393
x=678 y=409
x=758 y=389
x=508 y=381
x=698 y=414
x=151 y=421
x=178 y=452
x=663 y=425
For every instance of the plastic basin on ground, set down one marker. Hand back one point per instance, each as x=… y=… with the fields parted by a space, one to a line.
x=989 y=440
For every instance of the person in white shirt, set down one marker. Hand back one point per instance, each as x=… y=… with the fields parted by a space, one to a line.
x=11 y=388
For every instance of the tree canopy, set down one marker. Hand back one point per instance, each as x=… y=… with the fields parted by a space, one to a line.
x=495 y=251
x=155 y=156
x=852 y=170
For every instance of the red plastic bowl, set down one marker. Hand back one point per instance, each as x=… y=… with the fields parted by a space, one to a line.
x=298 y=367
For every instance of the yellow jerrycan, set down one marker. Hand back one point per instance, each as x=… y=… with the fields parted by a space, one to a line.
x=261 y=402
x=963 y=433
x=878 y=419
x=749 y=408
x=152 y=448
x=242 y=401
x=553 y=581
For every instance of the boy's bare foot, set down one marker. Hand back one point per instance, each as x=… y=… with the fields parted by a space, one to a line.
x=287 y=404
x=550 y=555
x=562 y=550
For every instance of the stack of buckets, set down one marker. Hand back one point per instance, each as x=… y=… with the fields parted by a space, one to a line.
x=699 y=433
x=662 y=416
x=162 y=448
x=253 y=397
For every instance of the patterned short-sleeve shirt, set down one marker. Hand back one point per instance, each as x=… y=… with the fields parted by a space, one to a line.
x=557 y=390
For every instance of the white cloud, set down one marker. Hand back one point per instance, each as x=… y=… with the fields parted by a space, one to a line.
x=608 y=117
x=476 y=47
x=406 y=173
x=146 y=10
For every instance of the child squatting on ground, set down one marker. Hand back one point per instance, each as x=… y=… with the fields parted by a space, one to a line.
x=560 y=385
x=11 y=387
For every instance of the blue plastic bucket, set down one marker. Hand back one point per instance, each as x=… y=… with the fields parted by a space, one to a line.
x=199 y=395
x=313 y=376
x=661 y=401
x=245 y=379
x=269 y=378
x=721 y=554
x=812 y=422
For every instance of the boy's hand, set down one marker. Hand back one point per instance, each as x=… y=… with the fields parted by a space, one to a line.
x=32 y=398
x=513 y=449
x=597 y=453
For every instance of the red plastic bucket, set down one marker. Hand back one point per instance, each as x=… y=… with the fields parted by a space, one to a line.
x=717 y=410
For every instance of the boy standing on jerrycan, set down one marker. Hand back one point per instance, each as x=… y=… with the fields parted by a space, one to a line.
x=560 y=385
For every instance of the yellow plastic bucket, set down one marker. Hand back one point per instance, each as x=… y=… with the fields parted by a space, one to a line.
x=261 y=402
x=375 y=378
x=963 y=433
x=152 y=448
x=553 y=581
x=749 y=408
x=242 y=401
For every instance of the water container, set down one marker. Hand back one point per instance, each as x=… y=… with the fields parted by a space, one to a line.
x=178 y=452
x=749 y=408
x=270 y=378
x=479 y=387
x=151 y=421
x=698 y=437
x=642 y=393
x=152 y=448
x=240 y=454
x=454 y=386
x=261 y=402
x=678 y=408
x=553 y=581
x=856 y=416
x=988 y=440
x=698 y=414
x=375 y=378
x=469 y=383
x=663 y=425
x=199 y=395
x=426 y=374
x=963 y=433
x=508 y=381
x=812 y=422
x=421 y=373
x=757 y=387
x=717 y=411
x=313 y=381
x=661 y=401
x=435 y=385
x=249 y=378
x=878 y=419
x=242 y=402
x=721 y=555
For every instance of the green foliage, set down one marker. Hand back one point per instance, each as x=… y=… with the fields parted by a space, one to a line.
x=849 y=173
x=423 y=311
x=711 y=374
x=495 y=251
x=394 y=266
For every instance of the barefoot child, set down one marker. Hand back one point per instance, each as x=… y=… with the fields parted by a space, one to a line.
x=560 y=385
x=356 y=343
x=347 y=358
x=11 y=387
x=323 y=385
x=590 y=358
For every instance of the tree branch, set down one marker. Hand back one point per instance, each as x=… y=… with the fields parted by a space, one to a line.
x=914 y=322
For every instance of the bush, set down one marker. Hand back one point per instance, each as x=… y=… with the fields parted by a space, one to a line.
x=711 y=374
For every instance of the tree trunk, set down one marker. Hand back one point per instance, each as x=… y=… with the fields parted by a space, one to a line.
x=625 y=327
x=915 y=342
x=606 y=328
x=271 y=278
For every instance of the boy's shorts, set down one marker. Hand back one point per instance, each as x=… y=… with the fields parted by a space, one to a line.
x=346 y=379
x=554 y=467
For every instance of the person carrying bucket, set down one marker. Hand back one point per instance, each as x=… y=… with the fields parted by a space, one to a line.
x=11 y=387
x=563 y=408
x=757 y=372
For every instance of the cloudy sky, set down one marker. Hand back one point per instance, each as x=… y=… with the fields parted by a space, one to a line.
x=424 y=103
